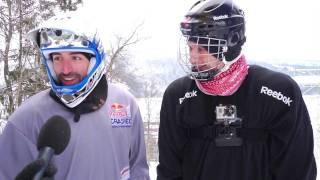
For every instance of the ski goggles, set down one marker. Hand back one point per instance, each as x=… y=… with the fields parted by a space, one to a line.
x=56 y=38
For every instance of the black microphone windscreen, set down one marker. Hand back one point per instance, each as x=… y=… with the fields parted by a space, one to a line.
x=55 y=133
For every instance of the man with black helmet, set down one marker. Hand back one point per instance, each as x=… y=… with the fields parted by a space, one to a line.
x=228 y=120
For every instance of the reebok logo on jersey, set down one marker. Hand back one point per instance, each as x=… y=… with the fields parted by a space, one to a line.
x=275 y=94
x=188 y=95
x=215 y=18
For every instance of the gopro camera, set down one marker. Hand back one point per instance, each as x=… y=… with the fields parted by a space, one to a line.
x=227 y=124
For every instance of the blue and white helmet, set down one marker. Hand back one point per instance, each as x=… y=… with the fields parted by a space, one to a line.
x=69 y=33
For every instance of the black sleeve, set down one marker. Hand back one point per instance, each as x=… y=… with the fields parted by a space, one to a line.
x=171 y=141
x=291 y=142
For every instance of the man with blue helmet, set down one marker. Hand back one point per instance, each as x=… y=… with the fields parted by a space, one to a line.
x=107 y=137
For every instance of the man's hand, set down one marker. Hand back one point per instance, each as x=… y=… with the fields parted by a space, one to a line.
x=29 y=171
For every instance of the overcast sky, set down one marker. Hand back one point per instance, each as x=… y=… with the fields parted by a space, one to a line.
x=278 y=30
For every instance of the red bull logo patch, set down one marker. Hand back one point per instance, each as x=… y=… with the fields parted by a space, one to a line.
x=120 y=115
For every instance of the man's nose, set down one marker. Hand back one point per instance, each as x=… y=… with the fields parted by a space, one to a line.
x=194 y=57
x=66 y=66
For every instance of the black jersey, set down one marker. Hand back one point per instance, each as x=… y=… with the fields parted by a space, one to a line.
x=274 y=129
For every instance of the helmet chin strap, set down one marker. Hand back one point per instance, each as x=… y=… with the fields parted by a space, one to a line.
x=204 y=76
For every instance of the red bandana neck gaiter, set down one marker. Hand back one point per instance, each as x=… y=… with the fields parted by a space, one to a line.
x=228 y=82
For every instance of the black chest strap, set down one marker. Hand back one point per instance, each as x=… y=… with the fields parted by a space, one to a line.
x=210 y=132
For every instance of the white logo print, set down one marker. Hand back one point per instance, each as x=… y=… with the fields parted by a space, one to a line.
x=275 y=94
x=188 y=95
x=220 y=17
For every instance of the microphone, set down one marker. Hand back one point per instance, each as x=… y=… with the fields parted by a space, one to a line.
x=53 y=138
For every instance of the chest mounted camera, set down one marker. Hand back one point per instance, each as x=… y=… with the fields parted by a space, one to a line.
x=227 y=124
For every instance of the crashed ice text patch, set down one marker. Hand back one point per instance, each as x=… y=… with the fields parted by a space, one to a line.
x=120 y=115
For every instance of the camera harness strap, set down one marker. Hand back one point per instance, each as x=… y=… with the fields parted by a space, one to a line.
x=209 y=133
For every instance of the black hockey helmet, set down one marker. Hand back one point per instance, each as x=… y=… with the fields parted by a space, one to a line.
x=219 y=24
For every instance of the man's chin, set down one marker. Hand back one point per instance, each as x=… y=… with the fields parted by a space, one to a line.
x=69 y=83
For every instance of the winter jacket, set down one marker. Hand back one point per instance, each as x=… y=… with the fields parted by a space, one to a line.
x=273 y=141
x=104 y=144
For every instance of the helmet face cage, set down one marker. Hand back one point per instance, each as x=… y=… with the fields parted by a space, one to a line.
x=60 y=40
x=203 y=70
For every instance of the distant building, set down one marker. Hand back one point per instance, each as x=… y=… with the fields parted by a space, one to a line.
x=309 y=84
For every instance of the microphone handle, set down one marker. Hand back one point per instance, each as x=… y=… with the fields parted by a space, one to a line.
x=46 y=153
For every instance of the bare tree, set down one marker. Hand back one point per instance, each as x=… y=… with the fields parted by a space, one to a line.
x=120 y=68
x=23 y=72
x=7 y=27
